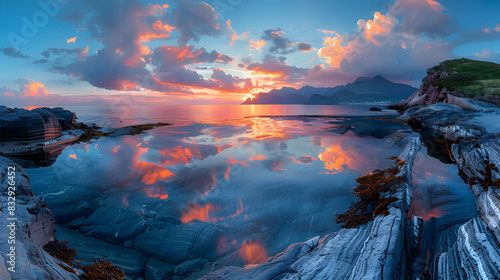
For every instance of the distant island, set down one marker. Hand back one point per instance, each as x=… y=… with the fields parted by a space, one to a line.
x=362 y=90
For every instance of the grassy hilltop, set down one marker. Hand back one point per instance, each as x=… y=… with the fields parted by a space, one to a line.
x=470 y=77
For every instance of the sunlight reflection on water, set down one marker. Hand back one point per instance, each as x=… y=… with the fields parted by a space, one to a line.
x=267 y=182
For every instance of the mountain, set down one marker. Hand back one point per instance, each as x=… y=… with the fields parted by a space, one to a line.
x=289 y=95
x=363 y=89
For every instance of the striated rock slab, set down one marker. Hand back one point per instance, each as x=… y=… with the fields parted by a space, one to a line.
x=34 y=227
x=375 y=250
x=479 y=159
x=65 y=118
x=23 y=125
x=116 y=221
x=156 y=269
x=488 y=203
x=179 y=243
x=475 y=255
x=68 y=202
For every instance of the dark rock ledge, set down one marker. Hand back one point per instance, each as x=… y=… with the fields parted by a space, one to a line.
x=36 y=137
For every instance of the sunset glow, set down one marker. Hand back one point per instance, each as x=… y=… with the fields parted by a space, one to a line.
x=200 y=53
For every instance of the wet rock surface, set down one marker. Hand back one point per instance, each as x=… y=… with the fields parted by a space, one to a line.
x=179 y=243
x=34 y=227
x=475 y=254
x=375 y=250
x=115 y=222
x=465 y=138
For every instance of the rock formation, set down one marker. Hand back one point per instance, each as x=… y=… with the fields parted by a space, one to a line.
x=436 y=87
x=33 y=229
x=462 y=132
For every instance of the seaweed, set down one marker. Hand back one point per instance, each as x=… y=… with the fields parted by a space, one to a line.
x=101 y=270
x=487 y=179
x=60 y=250
x=369 y=191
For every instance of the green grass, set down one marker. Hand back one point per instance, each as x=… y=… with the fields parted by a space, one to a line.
x=470 y=77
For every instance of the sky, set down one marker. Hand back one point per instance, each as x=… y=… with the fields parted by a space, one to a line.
x=92 y=52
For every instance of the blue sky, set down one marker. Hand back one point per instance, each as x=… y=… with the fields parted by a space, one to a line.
x=222 y=51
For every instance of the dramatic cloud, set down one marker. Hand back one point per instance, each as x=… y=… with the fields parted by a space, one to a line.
x=304 y=47
x=411 y=36
x=71 y=40
x=427 y=17
x=12 y=52
x=278 y=43
x=193 y=20
x=27 y=87
x=126 y=62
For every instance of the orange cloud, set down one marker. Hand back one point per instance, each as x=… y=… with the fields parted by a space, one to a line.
x=333 y=53
x=256 y=45
x=381 y=25
x=71 y=40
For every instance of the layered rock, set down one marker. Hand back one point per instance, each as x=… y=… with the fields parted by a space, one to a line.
x=455 y=136
x=479 y=162
x=432 y=92
x=34 y=227
x=115 y=222
x=475 y=254
x=24 y=125
x=376 y=250
x=179 y=243
x=65 y=118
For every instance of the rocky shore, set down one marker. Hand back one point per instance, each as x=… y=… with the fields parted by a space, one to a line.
x=36 y=137
x=152 y=243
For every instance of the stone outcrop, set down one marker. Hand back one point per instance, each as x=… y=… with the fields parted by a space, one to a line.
x=429 y=94
x=34 y=227
x=24 y=125
x=375 y=250
x=65 y=118
x=17 y=124
x=455 y=136
x=475 y=254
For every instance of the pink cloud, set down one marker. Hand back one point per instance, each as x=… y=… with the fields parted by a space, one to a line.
x=256 y=45
x=71 y=40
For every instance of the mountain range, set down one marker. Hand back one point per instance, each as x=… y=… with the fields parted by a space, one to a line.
x=363 y=89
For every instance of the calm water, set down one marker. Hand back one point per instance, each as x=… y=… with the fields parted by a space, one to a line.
x=117 y=116
x=269 y=176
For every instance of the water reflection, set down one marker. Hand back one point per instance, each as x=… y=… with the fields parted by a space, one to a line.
x=266 y=182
